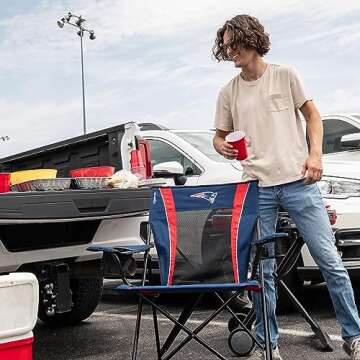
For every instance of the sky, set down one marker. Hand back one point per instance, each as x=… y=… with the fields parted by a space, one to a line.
x=151 y=62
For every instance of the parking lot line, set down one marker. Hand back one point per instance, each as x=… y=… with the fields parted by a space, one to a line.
x=297 y=333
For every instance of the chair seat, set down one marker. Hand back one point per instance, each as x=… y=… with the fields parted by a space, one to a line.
x=253 y=284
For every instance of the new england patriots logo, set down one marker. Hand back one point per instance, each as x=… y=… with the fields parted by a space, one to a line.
x=206 y=195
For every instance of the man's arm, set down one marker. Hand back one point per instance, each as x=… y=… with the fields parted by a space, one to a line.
x=313 y=164
x=223 y=147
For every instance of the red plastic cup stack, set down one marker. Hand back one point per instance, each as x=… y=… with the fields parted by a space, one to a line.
x=237 y=140
x=137 y=164
x=4 y=182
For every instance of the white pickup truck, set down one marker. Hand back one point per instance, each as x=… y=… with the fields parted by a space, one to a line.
x=47 y=232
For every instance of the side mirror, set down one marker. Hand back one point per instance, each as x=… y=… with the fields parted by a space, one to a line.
x=351 y=140
x=170 y=169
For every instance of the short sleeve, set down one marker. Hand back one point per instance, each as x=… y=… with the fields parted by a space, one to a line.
x=298 y=91
x=223 y=117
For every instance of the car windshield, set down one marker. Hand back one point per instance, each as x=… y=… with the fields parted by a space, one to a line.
x=340 y=135
x=203 y=141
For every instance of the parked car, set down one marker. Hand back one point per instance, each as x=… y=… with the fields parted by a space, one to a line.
x=340 y=186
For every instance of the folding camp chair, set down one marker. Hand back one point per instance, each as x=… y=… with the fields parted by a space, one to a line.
x=203 y=237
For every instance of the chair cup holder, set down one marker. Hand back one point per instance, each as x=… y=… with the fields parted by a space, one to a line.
x=119 y=264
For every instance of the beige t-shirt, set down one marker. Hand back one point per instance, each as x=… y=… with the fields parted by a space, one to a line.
x=267 y=110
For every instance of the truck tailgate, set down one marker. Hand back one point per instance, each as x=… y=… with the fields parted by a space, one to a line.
x=20 y=207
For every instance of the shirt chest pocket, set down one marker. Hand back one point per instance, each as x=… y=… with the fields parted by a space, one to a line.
x=277 y=102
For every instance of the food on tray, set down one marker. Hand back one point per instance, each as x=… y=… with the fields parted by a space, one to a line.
x=96 y=171
x=18 y=177
x=124 y=179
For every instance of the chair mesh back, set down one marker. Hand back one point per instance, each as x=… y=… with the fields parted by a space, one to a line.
x=203 y=233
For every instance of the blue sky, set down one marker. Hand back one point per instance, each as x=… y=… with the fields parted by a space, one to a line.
x=152 y=61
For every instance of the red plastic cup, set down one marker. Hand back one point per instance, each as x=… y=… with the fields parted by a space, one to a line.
x=137 y=164
x=237 y=140
x=4 y=182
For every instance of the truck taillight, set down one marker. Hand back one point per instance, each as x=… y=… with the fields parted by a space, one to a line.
x=144 y=148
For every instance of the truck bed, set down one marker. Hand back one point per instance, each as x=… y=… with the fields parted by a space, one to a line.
x=42 y=220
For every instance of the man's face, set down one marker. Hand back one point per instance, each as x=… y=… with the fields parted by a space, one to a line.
x=240 y=56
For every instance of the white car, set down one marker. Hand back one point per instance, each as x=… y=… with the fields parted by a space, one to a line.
x=340 y=187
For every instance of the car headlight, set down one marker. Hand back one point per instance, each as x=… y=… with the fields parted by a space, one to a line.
x=341 y=188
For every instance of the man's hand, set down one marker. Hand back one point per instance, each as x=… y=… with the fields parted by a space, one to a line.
x=227 y=150
x=313 y=164
x=222 y=147
x=313 y=169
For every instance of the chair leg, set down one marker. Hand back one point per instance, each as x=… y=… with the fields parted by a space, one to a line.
x=184 y=316
x=156 y=329
x=243 y=324
x=197 y=330
x=137 y=329
x=268 y=349
x=191 y=333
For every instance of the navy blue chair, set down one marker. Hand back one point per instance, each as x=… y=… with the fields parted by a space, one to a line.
x=203 y=237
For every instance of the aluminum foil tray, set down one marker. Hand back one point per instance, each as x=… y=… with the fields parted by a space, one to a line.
x=152 y=182
x=90 y=182
x=56 y=184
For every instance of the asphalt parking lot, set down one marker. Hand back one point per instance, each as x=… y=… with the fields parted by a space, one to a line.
x=108 y=333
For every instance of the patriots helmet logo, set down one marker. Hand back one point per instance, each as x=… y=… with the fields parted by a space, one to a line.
x=206 y=195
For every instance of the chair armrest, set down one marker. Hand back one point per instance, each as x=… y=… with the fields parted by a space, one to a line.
x=124 y=250
x=270 y=238
x=119 y=260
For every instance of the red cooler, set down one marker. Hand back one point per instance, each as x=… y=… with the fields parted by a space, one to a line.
x=19 y=297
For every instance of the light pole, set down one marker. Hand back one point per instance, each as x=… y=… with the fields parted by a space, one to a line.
x=77 y=21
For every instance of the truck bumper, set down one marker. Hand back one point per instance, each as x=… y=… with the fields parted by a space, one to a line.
x=348 y=245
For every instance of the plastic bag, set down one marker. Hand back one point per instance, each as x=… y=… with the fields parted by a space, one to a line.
x=124 y=179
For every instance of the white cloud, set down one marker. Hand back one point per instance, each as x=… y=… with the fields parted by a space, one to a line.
x=342 y=100
x=36 y=126
x=151 y=61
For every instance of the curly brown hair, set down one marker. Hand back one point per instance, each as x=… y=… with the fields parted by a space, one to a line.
x=247 y=32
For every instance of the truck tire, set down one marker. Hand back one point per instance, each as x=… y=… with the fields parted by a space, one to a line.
x=86 y=294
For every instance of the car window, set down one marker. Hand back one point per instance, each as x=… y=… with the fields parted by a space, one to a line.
x=334 y=129
x=163 y=152
x=203 y=141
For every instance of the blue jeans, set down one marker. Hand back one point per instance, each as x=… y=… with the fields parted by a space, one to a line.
x=306 y=208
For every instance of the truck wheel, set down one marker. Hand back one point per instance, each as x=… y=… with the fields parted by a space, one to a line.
x=86 y=294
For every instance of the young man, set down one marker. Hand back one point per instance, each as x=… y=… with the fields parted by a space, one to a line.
x=264 y=101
